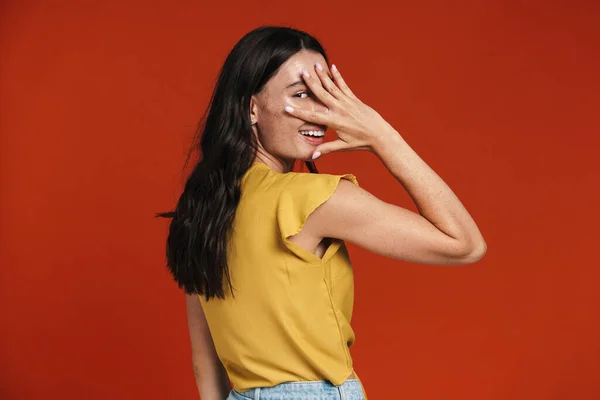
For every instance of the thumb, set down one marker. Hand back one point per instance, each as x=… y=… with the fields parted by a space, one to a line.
x=326 y=148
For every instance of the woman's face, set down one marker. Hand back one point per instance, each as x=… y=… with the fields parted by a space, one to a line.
x=278 y=132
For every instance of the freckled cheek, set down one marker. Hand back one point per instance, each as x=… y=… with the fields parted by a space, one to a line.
x=281 y=118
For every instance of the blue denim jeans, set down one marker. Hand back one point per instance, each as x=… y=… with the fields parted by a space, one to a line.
x=303 y=390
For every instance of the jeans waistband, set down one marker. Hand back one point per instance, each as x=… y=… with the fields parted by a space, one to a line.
x=351 y=389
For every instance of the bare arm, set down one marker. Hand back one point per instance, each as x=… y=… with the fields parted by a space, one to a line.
x=443 y=233
x=211 y=378
x=434 y=199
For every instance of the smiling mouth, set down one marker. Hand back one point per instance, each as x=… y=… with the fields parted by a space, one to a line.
x=313 y=133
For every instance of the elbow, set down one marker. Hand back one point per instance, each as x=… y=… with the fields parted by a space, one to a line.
x=476 y=253
x=463 y=254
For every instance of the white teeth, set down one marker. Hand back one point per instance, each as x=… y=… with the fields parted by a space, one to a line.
x=313 y=133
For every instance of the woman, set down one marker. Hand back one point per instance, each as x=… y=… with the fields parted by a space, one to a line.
x=281 y=327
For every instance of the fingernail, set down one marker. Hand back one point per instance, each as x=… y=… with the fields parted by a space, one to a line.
x=319 y=66
x=334 y=68
x=289 y=109
x=305 y=73
x=316 y=155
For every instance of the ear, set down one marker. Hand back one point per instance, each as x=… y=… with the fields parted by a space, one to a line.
x=253 y=110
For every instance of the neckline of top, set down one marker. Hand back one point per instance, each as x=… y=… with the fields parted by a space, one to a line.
x=253 y=166
x=259 y=164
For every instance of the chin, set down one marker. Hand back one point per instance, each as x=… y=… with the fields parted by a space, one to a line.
x=307 y=157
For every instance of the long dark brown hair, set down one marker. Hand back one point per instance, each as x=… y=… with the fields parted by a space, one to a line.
x=196 y=248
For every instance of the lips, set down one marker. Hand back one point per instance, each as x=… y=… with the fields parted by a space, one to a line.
x=313 y=140
x=314 y=128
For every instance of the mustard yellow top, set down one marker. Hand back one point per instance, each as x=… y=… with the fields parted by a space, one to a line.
x=290 y=318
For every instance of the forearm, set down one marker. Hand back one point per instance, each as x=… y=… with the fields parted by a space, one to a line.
x=433 y=197
x=211 y=380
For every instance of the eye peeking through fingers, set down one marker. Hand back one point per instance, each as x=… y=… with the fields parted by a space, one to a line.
x=308 y=94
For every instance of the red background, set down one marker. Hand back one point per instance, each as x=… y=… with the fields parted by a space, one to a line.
x=98 y=104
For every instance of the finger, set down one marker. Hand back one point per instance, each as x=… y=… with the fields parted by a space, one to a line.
x=311 y=116
x=329 y=147
x=341 y=82
x=327 y=82
x=314 y=83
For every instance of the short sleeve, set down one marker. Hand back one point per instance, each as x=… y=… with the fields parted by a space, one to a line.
x=299 y=197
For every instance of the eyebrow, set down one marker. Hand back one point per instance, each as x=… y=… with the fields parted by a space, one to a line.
x=297 y=83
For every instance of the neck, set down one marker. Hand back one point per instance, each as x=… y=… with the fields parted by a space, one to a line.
x=276 y=164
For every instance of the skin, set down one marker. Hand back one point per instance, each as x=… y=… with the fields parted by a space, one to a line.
x=442 y=233
x=277 y=131
x=210 y=374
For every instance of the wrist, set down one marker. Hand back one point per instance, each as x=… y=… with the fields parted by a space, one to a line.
x=385 y=140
